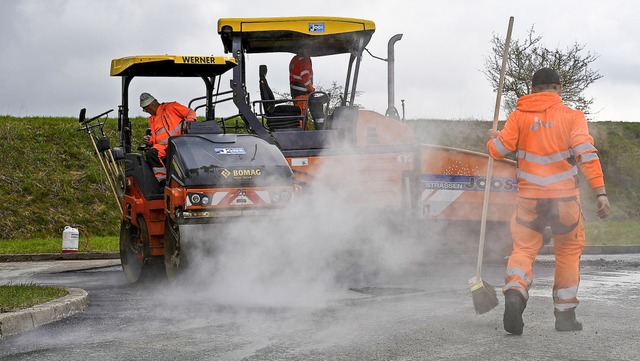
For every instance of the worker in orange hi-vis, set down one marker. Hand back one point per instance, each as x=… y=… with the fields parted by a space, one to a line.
x=551 y=141
x=165 y=120
x=301 y=79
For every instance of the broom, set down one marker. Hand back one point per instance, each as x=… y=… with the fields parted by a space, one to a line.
x=484 y=294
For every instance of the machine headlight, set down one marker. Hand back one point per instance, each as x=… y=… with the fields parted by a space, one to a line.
x=280 y=196
x=199 y=199
x=285 y=196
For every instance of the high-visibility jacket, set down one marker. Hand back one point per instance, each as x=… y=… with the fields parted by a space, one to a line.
x=552 y=141
x=300 y=76
x=166 y=123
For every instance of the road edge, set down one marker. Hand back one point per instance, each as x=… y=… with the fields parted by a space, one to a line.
x=28 y=319
x=599 y=250
x=58 y=256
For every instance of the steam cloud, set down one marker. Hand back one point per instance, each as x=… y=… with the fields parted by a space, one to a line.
x=313 y=253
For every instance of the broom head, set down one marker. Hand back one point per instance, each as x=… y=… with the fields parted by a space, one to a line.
x=484 y=295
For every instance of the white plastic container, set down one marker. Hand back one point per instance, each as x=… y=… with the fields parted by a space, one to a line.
x=70 y=239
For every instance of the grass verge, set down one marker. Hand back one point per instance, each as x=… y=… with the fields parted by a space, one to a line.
x=599 y=233
x=612 y=233
x=20 y=296
x=54 y=245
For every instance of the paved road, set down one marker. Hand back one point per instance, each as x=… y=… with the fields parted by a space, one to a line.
x=421 y=313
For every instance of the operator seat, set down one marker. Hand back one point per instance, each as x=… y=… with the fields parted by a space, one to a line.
x=318 y=106
x=278 y=115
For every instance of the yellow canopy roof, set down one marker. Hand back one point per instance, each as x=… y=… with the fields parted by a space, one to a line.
x=321 y=35
x=172 y=65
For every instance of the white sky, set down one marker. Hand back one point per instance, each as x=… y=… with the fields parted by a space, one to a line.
x=57 y=53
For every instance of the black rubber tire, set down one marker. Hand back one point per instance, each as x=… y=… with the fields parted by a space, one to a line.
x=137 y=264
x=131 y=252
x=175 y=260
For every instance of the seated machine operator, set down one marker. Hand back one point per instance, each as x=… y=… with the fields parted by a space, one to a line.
x=165 y=120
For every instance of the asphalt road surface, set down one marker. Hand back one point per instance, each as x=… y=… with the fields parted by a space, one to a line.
x=422 y=313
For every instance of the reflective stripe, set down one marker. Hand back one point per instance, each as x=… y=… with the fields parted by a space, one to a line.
x=518 y=272
x=588 y=157
x=299 y=88
x=159 y=170
x=514 y=285
x=544 y=181
x=294 y=76
x=500 y=147
x=175 y=130
x=586 y=152
x=160 y=131
x=306 y=84
x=565 y=293
x=565 y=299
x=584 y=147
x=565 y=306
x=160 y=178
x=547 y=159
x=217 y=197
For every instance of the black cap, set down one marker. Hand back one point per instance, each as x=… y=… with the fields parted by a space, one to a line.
x=545 y=76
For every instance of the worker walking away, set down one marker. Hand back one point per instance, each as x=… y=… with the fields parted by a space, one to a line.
x=551 y=141
x=165 y=120
x=301 y=79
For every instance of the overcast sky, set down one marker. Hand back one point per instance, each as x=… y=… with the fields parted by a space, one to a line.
x=57 y=53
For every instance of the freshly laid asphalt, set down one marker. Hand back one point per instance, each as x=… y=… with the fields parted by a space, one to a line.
x=15 y=266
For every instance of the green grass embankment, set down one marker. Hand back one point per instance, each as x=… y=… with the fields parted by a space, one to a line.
x=50 y=176
x=618 y=144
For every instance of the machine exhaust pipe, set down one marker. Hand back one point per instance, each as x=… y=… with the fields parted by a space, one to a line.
x=391 y=109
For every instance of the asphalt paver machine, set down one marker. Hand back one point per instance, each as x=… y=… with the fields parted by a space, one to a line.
x=376 y=160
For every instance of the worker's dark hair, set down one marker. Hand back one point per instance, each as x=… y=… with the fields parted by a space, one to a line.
x=545 y=87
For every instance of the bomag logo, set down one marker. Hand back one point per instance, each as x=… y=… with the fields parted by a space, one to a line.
x=241 y=173
x=246 y=172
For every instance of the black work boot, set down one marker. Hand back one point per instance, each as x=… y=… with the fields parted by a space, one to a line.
x=566 y=321
x=514 y=305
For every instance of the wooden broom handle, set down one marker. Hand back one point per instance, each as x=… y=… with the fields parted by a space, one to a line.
x=503 y=70
x=496 y=113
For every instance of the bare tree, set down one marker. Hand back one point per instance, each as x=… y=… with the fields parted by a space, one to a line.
x=529 y=55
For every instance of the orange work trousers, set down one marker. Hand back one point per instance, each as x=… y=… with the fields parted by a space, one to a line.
x=531 y=218
x=301 y=102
